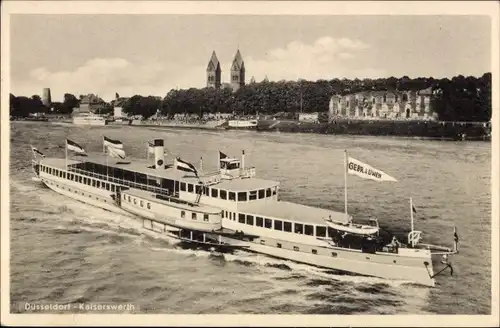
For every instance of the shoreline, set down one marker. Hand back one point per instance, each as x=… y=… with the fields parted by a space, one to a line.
x=409 y=130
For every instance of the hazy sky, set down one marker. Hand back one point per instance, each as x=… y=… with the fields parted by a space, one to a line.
x=150 y=54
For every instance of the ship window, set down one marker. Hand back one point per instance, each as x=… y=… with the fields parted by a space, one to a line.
x=249 y=219
x=129 y=199
x=262 y=242
x=334 y=254
x=142 y=203
x=226 y=214
x=268 y=223
x=278 y=245
x=296 y=248
x=275 y=190
x=124 y=196
x=299 y=228
x=205 y=217
x=60 y=174
x=183 y=186
x=183 y=214
x=262 y=193
x=215 y=192
x=234 y=216
x=206 y=191
x=72 y=177
x=193 y=216
x=190 y=187
x=331 y=232
x=93 y=183
x=314 y=251
x=278 y=225
x=197 y=189
x=259 y=222
x=149 y=206
x=232 y=196
x=135 y=201
x=309 y=230
x=268 y=192
x=253 y=195
x=241 y=218
x=223 y=194
x=112 y=187
x=98 y=184
x=287 y=226
x=242 y=196
x=320 y=231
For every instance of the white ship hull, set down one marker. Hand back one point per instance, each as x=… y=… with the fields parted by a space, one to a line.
x=84 y=120
x=376 y=265
x=242 y=124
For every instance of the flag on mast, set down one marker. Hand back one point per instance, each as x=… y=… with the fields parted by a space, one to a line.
x=73 y=146
x=185 y=166
x=222 y=155
x=108 y=142
x=116 y=152
x=365 y=171
x=36 y=151
x=414 y=209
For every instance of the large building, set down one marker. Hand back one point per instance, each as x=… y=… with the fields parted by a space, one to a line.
x=237 y=73
x=383 y=105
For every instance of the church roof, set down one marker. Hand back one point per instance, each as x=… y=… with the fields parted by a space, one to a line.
x=213 y=64
x=237 y=61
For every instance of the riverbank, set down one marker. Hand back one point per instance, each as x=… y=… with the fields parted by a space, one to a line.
x=411 y=129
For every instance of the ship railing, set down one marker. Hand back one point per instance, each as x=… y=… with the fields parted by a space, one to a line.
x=248 y=173
x=127 y=183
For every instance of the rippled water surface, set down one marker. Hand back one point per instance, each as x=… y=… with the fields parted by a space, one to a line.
x=64 y=251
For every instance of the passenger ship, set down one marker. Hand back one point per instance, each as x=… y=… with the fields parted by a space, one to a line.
x=232 y=208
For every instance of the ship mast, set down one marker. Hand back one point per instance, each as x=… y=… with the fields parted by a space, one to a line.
x=345 y=183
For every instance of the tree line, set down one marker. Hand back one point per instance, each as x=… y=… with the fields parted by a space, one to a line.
x=457 y=99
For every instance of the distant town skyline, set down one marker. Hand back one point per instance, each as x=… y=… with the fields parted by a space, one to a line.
x=152 y=54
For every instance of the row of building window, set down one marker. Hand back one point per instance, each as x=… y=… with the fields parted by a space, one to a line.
x=229 y=195
x=148 y=205
x=78 y=178
x=298 y=228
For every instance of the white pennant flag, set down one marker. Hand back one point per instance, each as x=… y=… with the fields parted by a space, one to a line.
x=365 y=171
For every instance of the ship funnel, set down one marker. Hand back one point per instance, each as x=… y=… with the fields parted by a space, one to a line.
x=159 y=154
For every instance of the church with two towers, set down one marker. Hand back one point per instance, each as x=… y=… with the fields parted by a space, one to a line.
x=237 y=77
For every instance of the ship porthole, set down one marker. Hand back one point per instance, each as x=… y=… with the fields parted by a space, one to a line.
x=394 y=261
x=426 y=263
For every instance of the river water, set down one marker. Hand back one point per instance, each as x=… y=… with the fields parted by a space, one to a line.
x=66 y=251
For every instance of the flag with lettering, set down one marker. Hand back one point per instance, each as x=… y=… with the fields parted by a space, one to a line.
x=366 y=171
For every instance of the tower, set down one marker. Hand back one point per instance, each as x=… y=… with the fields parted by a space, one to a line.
x=237 y=72
x=46 y=99
x=213 y=72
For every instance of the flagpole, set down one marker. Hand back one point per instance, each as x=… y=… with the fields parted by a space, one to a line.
x=345 y=182
x=411 y=213
x=66 y=154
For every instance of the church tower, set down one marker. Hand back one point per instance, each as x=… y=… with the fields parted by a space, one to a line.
x=237 y=72
x=213 y=72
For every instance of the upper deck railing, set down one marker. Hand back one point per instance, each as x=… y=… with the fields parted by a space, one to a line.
x=127 y=183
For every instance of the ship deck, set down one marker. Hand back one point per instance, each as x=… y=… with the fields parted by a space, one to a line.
x=190 y=205
x=145 y=167
x=294 y=212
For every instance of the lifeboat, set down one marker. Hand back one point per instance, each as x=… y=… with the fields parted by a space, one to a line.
x=358 y=229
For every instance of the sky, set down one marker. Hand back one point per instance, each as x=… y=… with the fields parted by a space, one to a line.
x=152 y=54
